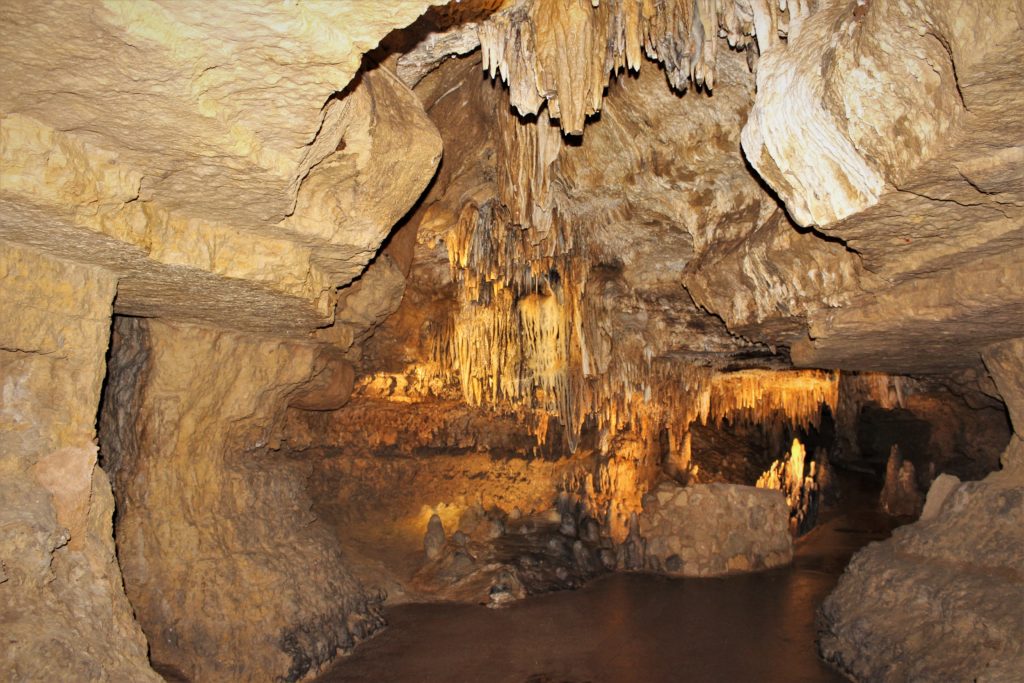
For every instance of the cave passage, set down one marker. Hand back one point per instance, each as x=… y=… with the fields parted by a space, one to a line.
x=636 y=627
x=541 y=341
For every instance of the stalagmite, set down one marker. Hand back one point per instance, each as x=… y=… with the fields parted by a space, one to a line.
x=802 y=481
x=900 y=494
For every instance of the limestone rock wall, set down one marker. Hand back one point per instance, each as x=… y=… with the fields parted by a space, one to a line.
x=214 y=163
x=230 y=573
x=237 y=164
x=65 y=615
x=383 y=462
x=222 y=160
x=400 y=493
x=892 y=129
x=941 y=599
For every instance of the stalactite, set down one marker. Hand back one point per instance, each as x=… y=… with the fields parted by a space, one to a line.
x=527 y=45
x=526 y=335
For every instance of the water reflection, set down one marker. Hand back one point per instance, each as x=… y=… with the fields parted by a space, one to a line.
x=628 y=628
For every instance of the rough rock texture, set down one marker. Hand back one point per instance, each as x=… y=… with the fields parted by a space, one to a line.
x=389 y=490
x=891 y=127
x=380 y=469
x=220 y=159
x=907 y=133
x=527 y=45
x=60 y=587
x=433 y=540
x=1004 y=363
x=940 y=600
x=513 y=559
x=941 y=488
x=713 y=529
x=239 y=165
x=230 y=573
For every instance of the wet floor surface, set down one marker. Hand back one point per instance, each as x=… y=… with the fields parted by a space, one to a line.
x=627 y=628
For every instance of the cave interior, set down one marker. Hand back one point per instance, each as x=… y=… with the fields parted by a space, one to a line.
x=668 y=330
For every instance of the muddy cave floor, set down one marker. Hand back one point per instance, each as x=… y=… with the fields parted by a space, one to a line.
x=635 y=627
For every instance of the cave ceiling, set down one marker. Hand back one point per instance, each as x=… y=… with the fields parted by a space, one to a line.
x=615 y=184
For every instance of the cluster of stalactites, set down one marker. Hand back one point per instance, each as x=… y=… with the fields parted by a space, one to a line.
x=563 y=52
x=526 y=335
x=888 y=391
x=516 y=337
x=766 y=396
x=517 y=239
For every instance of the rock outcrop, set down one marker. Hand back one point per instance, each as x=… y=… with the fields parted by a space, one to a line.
x=231 y=574
x=223 y=165
x=60 y=585
x=224 y=162
x=495 y=559
x=714 y=529
x=889 y=126
x=941 y=600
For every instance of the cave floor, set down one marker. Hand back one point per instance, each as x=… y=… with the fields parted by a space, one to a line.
x=633 y=627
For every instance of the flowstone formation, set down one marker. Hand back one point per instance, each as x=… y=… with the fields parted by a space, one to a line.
x=804 y=481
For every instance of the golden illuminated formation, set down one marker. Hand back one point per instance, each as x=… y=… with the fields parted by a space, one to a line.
x=801 y=481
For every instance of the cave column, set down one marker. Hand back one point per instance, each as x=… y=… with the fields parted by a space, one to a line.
x=59 y=579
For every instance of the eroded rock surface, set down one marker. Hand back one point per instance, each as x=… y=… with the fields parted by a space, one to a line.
x=230 y=573
x=499 y=559
x=941 y=599
x=894 y=151
x=60 y=584
x=557 y=313
x=220 y=160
